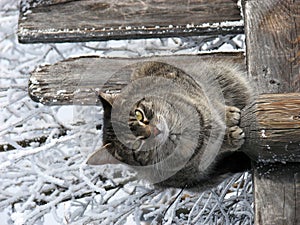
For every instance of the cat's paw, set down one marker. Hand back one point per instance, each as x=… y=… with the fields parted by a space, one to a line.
x=236 y=137
x=233 y=116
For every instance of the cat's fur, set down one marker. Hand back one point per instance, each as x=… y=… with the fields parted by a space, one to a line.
x=188 y=135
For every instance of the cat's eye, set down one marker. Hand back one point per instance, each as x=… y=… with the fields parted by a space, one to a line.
x=137 y=144
x=139 y=115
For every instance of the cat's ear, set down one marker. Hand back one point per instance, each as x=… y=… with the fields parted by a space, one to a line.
x=102 y=157
x=107 y=98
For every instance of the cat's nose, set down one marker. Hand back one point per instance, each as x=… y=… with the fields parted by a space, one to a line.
x=155 y=131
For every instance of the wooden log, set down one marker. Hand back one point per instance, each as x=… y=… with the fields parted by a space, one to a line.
x=273 y=56
x=272 y=43
x=272 y=128
x=75 y=81
x=89 y=20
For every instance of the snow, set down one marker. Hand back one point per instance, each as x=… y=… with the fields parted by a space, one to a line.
x=42 y=170
x=65 y=114
x=263 y=134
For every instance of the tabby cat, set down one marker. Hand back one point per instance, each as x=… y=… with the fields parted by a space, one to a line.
x=177 y=129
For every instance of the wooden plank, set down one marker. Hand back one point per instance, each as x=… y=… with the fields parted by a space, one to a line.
x=272 y=30
x=75 y=81
x=283 y=183
x=90 y=20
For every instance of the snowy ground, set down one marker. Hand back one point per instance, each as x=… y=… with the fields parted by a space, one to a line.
x=42 y=148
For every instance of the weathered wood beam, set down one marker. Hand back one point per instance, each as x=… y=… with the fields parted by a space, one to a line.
x=75 y=81
x=272 y=128
x=89 y=20
x=272 y=40
x=281 y=205
x=272 y=28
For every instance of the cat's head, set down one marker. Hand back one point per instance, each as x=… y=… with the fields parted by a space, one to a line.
x=149 y=124
x=152 y=132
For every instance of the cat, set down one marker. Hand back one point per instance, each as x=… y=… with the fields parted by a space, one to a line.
x=177 y=129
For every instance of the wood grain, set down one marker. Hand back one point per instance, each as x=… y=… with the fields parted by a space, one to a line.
x=272 y=30
x=90 y=20
x=272 y=128
x=75 y=81
x=272 y=42
x=277 y=194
